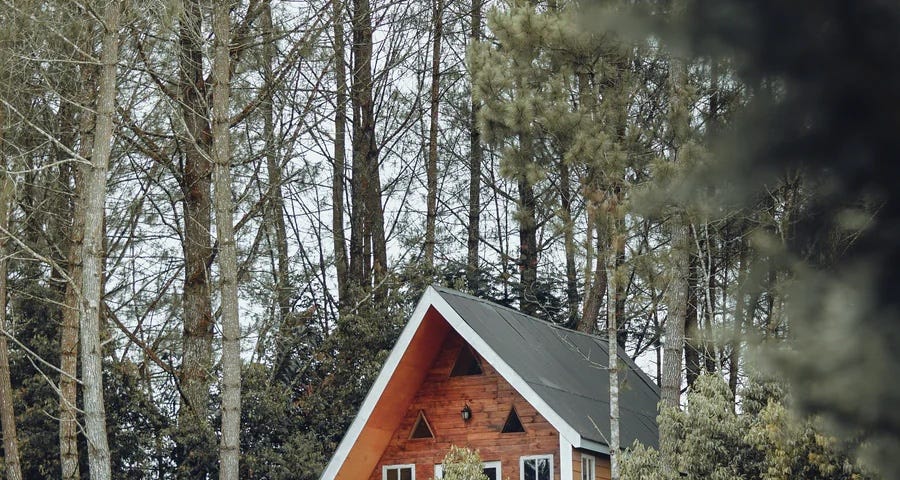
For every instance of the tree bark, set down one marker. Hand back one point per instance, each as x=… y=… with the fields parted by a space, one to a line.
x=368 y=251
x=692 y=344
x=612 y=339
x=595 y=279
x=340 y=128
x=528 y=254
x=93 y=253
x=565 y=199
x=196 y=436
x=273 y=167
x=7 y=412
x=431 y=168
x=68 y=388
x=739 y=313
x=229 y=452
x=473 y=231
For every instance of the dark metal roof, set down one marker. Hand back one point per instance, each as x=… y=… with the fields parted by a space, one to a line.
x=567 y=369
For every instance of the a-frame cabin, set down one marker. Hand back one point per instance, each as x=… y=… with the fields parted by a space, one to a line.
x=531 y=397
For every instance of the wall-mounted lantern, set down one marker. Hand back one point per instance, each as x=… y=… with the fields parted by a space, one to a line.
x=466 y=413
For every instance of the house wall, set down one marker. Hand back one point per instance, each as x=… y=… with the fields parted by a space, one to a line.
x=602 y=470
x=490 y=398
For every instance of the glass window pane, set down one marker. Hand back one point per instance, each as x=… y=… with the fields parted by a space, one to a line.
x=406 y=473
x=543 y=469
x=529 y=470
x=391 y=474
x=491 y=473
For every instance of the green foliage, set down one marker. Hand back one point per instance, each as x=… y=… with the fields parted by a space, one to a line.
x=274 y=444
x=765 y=441
x=462 y=463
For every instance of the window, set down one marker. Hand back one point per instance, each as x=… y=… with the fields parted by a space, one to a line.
x=491 y=470
x=466 y=363
x=588 y=467
x=513 y=424
x=421 y=429
x=536 y=467
x=398 y=472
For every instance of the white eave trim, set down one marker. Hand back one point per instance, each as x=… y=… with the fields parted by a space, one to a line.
x=592 y=446
x=387 y=371
x=468 y=333
x=565 y=460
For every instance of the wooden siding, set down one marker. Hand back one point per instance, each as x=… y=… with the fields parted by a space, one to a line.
x=442 y=397
x=399 y=391
x=601 y=463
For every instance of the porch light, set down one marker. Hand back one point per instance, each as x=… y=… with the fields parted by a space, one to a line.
x=466 y=413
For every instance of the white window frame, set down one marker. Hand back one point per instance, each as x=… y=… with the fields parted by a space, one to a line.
x=589 y=473
x=439 y=469
x=526 y=458
x=398 y=467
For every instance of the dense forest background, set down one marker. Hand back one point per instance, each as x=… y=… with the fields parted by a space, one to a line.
x=215 y=218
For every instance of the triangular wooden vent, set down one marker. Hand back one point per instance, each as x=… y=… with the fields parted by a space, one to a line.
x=466 y=363
x=421 y=429
x=513 y=424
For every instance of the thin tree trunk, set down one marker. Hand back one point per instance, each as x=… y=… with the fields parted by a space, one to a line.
x=431 y=167
x=739 y=313
x=613 y=342
x=7 y=413
x=273 y=167
x=368 y=251
x=196 y=436
x=229 y=453
x=565 y=198
x=692 y=344
x=475 y=161
x=711 y=360
x=673 y=345
x=619 y=305
x=528 y=254
x=93 y=254
x=597 y=280
x=68 y=388
x=340 y=128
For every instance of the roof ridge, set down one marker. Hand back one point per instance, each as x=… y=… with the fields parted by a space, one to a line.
x=517 y=312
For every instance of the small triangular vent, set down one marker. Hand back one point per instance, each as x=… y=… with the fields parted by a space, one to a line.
x=421 y=429
x=466 y=363
x=513 y=424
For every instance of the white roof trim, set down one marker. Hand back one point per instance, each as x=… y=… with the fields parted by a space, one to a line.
x=593 y=446
x=468 y=333
x=429 y=299
x=565 y=460
x=387 y=371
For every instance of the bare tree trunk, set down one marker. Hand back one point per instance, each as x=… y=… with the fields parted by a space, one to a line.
x=93 y=254
x=273 y=167
x=565 y=199
x=475 y=161
x=692 y=342
x=7 y=413
x=596 y=280
x=195 y=437
x=431 y=167
x=229 y=453
x=68 y=388
x=528 y=254
x=673 y=345
x=612 y=339
x=340 y=128
x=739 y=313
x=367 y=221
